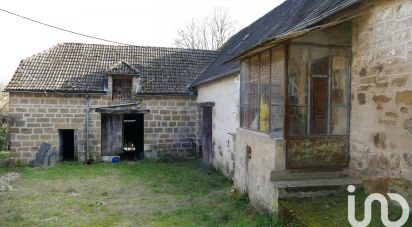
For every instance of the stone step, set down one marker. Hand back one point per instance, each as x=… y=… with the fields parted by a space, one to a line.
x=292 y=184
x=303 y=183
x=293 y=175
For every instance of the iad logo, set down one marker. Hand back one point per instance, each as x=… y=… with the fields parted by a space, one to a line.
x=384 y=209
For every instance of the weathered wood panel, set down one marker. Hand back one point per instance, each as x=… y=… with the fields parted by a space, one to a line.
x=318 y=153
x=112 y=134
x=207 y=144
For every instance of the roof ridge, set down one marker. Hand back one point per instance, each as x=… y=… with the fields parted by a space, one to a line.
x=138 y=46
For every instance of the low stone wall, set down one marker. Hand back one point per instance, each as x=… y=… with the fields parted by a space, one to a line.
x=252 y=175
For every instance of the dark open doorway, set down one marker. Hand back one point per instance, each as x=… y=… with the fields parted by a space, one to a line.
x=133 y=136
x=67 y=144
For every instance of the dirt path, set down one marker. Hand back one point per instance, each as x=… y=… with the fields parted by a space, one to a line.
x=6 y=179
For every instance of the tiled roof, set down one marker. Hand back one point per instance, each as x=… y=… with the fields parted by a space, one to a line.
x=123 y=68
x=290 y=16
x=83 y=68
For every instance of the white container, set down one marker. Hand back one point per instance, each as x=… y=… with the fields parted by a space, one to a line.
x=111 y=159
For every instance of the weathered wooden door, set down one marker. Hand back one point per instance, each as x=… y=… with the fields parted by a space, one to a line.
x=112 y=134
x=207 y=144
x=319 y=106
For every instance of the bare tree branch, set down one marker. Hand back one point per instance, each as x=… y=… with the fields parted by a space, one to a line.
x=209 y=33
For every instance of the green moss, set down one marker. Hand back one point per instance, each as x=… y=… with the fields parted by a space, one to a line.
x=332 y=211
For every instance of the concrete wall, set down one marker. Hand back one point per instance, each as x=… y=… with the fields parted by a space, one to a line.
x=253 y=175
x=225 y=94
x=381 y=117
x=170 y=128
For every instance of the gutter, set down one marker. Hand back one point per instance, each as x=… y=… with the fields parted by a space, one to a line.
x=87 y=128
x=219 y=76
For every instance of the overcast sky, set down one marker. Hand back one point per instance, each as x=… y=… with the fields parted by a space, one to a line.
x=145 y=23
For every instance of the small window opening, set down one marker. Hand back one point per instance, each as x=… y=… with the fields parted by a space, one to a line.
x=122 y=88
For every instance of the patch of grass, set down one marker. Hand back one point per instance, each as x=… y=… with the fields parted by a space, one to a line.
x=4 y=155
x=126 y=194
x=332 y=210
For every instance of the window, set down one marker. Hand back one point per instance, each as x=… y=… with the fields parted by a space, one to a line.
x=262 y=92
x=122 y=88
x=318 y=90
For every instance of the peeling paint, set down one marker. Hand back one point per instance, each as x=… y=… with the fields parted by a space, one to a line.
x=408 y=159
x=391 y=114
x=363 y=72
x=404 y=110
x=408 y=125
x=362 y=98
x=380 y=140
x=399 y=81
x=379 y=99
x=404 y=97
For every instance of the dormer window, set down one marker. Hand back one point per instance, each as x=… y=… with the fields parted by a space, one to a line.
x=122 y=87
x=122 y=74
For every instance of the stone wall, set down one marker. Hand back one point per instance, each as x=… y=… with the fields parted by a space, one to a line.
x=381 y=116
x=225 y=119
x=39 y=116
x=170 y=127
x=252 y=175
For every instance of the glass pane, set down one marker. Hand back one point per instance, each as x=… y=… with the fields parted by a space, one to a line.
x=276 y=121
x=339 y=122
x=338 y=35
x=254 y=93
x=244 y=86
x=242 y=113
x=298 y=75
x=253 y=118
x=298 y=118
x=340 y=76
x=278 y=75
x=319 y=91
x=319 y=65
x=264 y=90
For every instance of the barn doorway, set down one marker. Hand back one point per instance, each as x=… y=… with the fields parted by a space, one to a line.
x=133 y=137
x=67 y=144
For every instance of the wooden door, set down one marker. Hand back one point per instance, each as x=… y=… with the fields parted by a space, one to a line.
x=207 y=144
x=112 y=134
x=319 y=106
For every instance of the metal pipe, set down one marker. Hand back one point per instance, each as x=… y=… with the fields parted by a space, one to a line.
x=87 y=127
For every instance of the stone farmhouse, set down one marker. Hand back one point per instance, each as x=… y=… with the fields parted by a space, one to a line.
x=311 y=97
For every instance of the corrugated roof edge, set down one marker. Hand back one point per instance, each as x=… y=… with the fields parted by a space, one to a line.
x=295 y=29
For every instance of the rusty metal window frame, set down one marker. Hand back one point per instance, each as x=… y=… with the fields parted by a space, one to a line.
x=245 y=108
x=347 y=105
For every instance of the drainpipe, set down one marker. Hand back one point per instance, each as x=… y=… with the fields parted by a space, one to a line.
x=87 y=127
